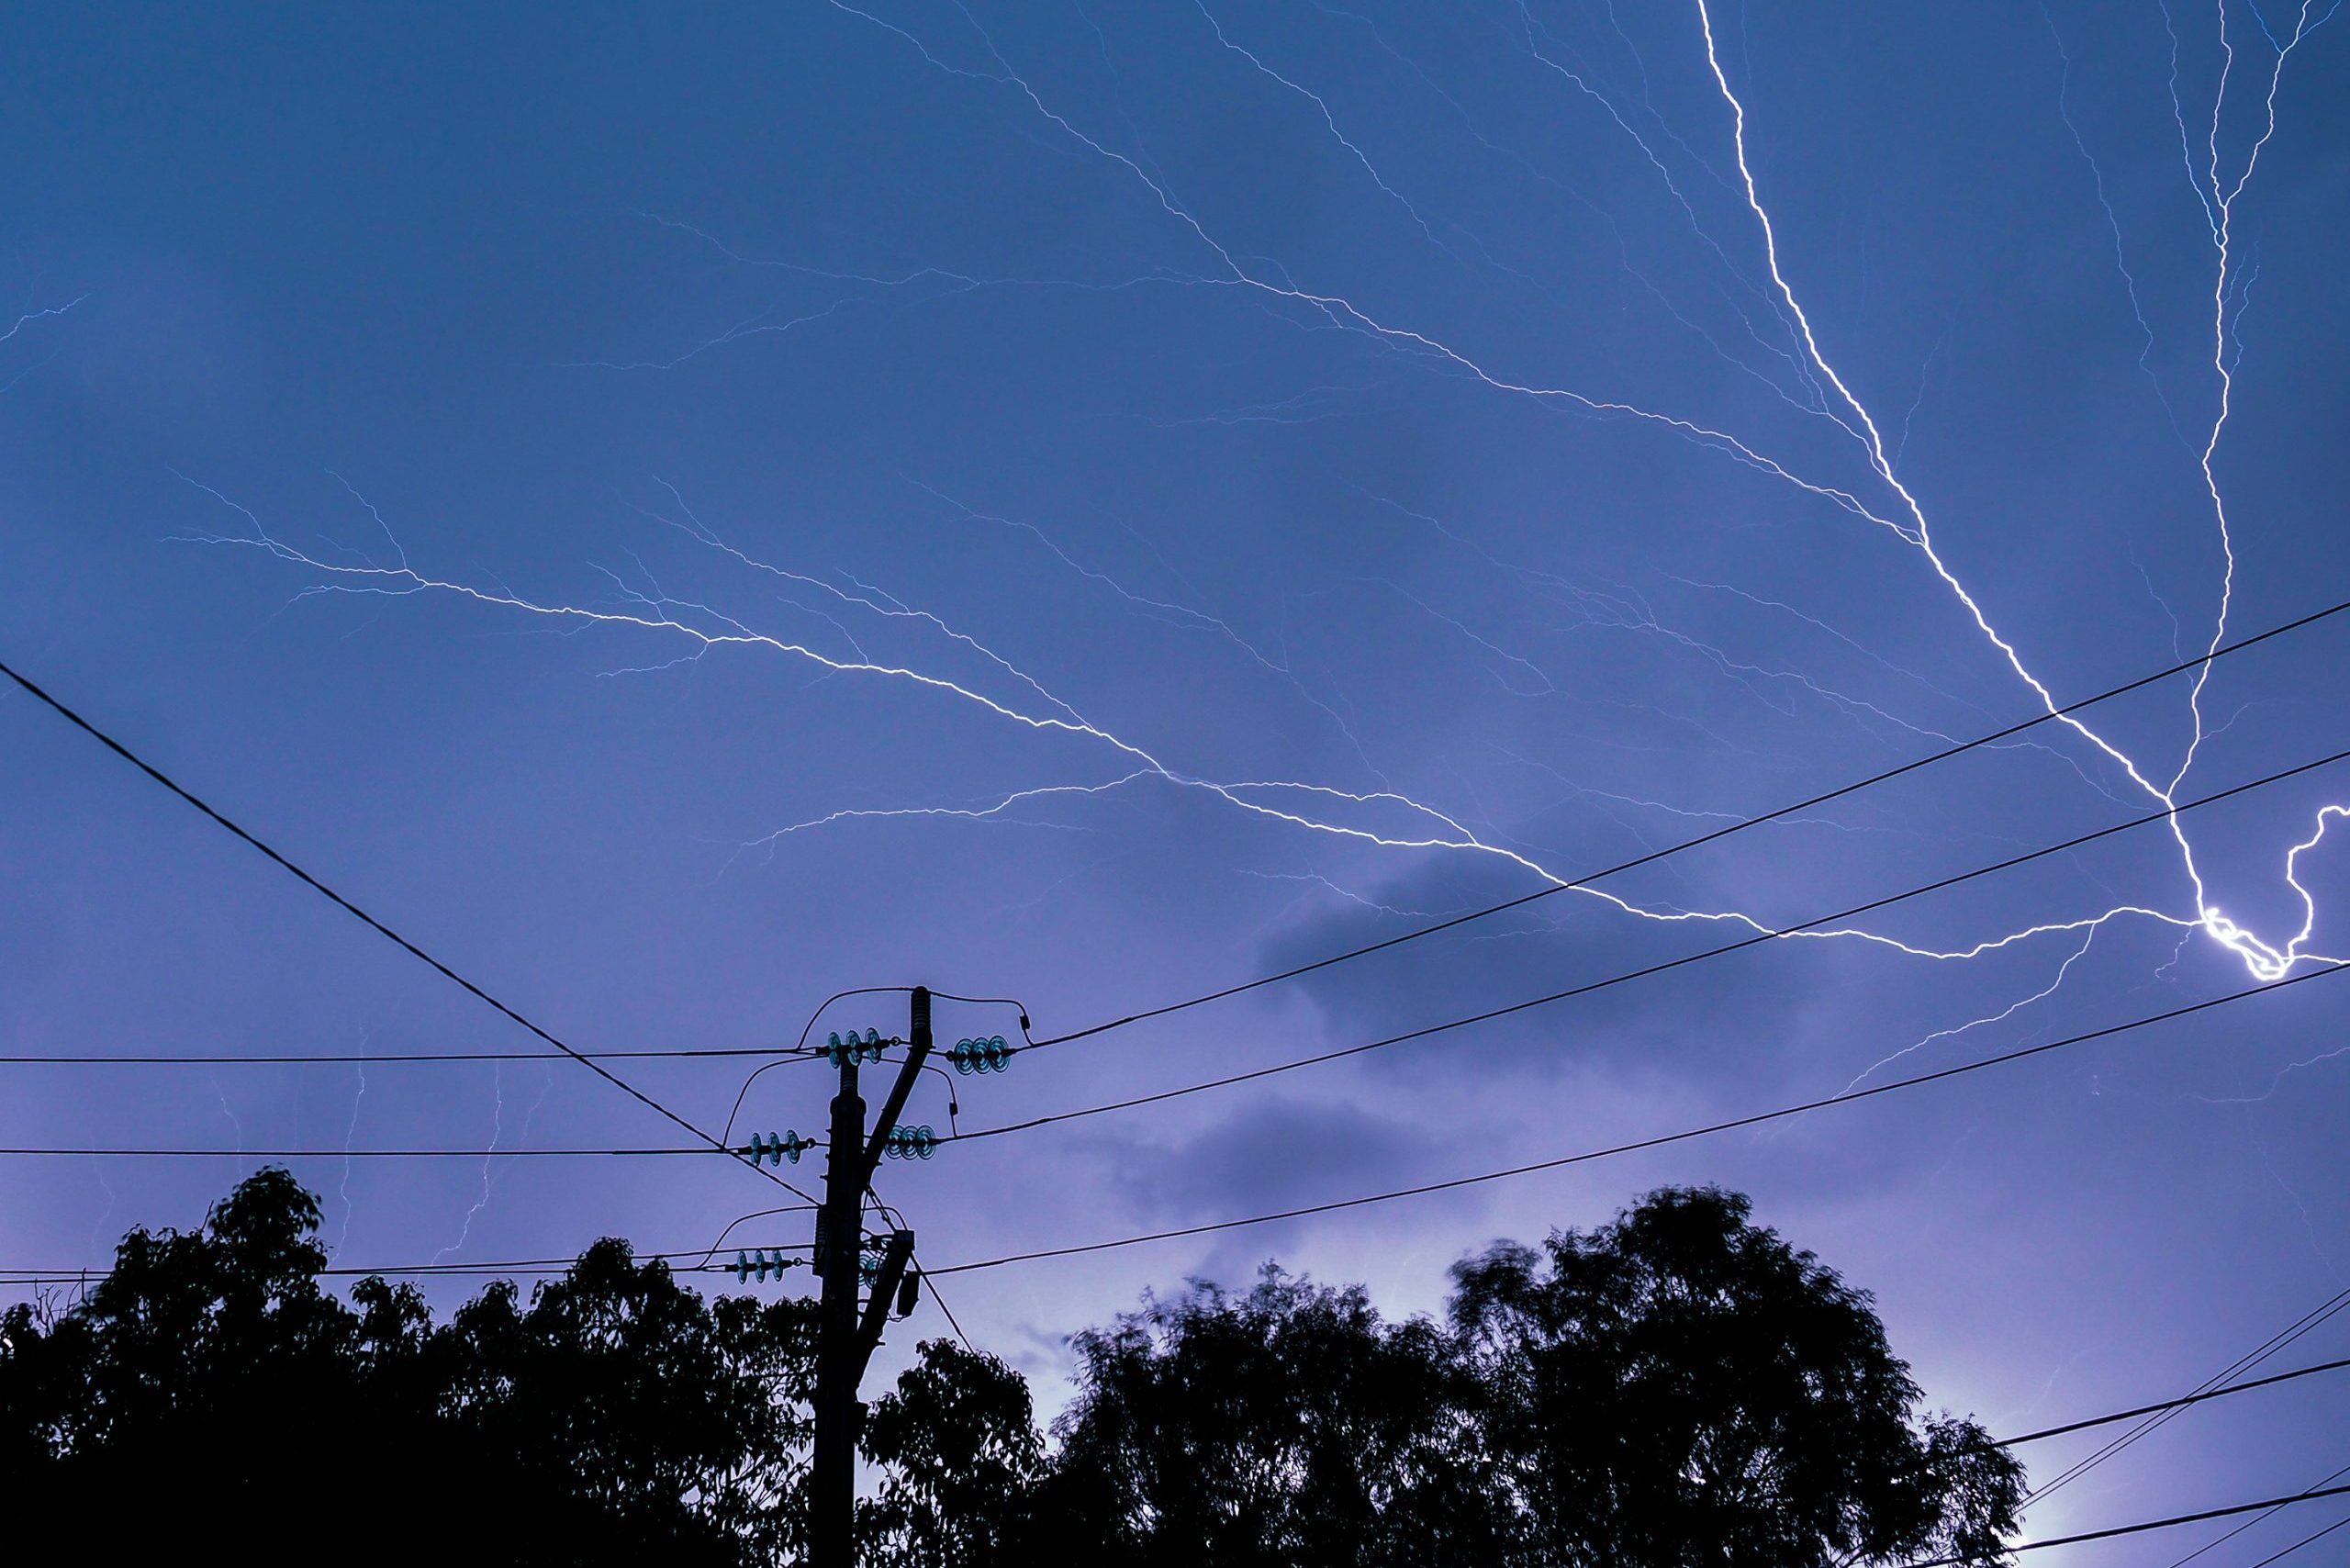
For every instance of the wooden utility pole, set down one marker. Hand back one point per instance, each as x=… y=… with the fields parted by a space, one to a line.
x=844 y=1340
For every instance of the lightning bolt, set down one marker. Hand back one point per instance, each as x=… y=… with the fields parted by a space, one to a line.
x=2112 y=221
x=30 y=315
x=1313 y=878
x=99 y=1226
x=497 y=1130
x=2077 y=954
x=351 y=1132
x=1314 y=807
x=2278 y=1082
x=1389 y=819
x=2264 y=959
x=223 y=1096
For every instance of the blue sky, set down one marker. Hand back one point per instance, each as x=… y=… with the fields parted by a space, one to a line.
x=1012 y=422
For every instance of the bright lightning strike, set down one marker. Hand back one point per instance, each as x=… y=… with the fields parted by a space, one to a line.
x=1390 y=819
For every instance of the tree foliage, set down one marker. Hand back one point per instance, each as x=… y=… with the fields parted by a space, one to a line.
x=1682 y=1386
x=209 y=1376
x=960 y=1458
x=1679 y=1387
x=1287 y=1426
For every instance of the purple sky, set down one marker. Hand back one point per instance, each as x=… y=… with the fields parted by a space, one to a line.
x=682 y=517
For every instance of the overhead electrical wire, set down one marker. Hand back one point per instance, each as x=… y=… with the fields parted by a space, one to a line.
x=486 y=1271
x=2219 y=652
x=1661 y=1140
x=921 y=1275
x=281 y=860
x=744 y=1219
x=163 y=1152
x=524 y=1265
x=712 y=1145
x=2307 y=1323
x=353 y=1059
x=719 y=1146
x=2256 y=1520
x=800 y=1050
x=2287 y=1551
x=1623 y=977
x=356 y=1058
x=2202 y=1396
x=2142 y=1526
x=796 y=1052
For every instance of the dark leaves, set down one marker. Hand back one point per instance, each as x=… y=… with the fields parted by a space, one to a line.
x=208 y=1376
x=1683 y=1386
x=1679 y=1386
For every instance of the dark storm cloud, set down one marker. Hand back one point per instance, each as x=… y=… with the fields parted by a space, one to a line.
x=408 y=251
x=1267 y=1156
x=1694 y=1022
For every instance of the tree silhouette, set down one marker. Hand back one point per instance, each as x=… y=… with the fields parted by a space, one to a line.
x=1682 y=1386
x=206 y=1375
x=1288 y=1426
x=960 y=1460
x=635 y=1415
x=209 y=1377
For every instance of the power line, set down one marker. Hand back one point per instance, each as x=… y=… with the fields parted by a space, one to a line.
x=800 y=1053
x=1655 y=854
x=357 y=1058
x=353 y=1059
x=1660 y=968
x=2307 y=1322
x=745 y=1220
x=1755 y=1119
x=2145 y=1525
x=449 y=1271
x=511 y=1265
x=2254 y=1522
x=715 y=1145
x=169 y=1153
x=940 y=1301
x=2183 y=1400
x=922 y=1276
x=372 y=923
x=350 y=1058
x=2305 y=1540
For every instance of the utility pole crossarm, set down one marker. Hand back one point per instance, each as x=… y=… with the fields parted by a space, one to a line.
x=895 y=1256
x=917 y=1052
